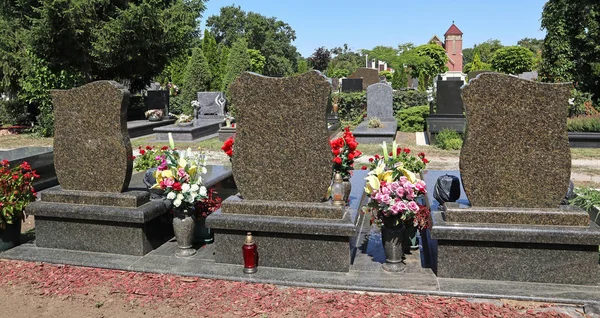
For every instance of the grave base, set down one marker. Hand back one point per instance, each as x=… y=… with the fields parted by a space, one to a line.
x=322 y=242
x=387 y=133
x=517 y=252
x=226 y=133
x=120 y=223
x=201 y=129
x=437 y=123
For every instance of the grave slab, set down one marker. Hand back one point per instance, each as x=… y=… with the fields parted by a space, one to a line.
x=367 y=135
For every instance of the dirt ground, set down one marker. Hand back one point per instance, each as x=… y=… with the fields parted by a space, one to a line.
x=42 y=290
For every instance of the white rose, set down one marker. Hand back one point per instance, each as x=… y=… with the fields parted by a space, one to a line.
x=177 y=203
x=179 y=196
x=171 y=195
x=194 y=188
x=204 y=170
x=191 y=198
x=185 y=188
x=203 y=191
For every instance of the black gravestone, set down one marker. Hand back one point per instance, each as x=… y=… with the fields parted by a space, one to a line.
x=157 y=99
x=352 y=85
x=448 y=97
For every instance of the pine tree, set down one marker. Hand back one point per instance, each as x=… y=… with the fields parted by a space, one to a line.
x=400 y=79
x=197 y=79
x=237 y=63
x=209 y=48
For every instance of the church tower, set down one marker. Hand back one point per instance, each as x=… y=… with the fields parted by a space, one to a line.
x=453 y=46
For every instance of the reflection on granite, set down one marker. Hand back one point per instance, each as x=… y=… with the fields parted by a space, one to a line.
x=92 y=150
x=516 y=151
x=282 y=150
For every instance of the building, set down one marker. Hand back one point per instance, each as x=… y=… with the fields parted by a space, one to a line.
x=453 y=46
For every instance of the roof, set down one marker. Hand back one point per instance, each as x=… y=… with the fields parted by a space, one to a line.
x=435 y=40
x=453 y=30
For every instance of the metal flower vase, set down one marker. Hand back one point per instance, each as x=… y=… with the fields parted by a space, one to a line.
x=392 y=237
x=184 y=226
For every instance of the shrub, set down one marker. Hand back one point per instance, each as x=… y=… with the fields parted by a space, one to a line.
x=176 y=105
x=586 y=198
x=197 y=79
x=13 y=112
x=351 y=106
x=581 y=104
x=584 y=124
x=387 y=74
x=412 y=119
x=449 y=139
x=147 y=157
x=407 y=99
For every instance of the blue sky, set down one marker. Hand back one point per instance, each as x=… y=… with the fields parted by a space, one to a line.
x=365 y=24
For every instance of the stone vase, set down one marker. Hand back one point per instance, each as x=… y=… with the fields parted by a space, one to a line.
x=392 y=237
x=10 y=235
x=410 y=238
x=183 y=227
x=347 y=188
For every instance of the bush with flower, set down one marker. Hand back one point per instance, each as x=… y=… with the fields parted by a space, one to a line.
x=150 y=157
x=180 y=176
x=173 y=89
x=228 y=147
x=394 y=189
x=344 y=152
x=16 y=191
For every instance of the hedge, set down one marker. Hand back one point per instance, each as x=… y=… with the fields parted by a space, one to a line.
x=412 y=119
x=352 y=106
x=584 y=124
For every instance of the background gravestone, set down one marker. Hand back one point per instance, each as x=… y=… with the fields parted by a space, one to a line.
x=211 y=103
x=369 y=76
x=335 y=83
x=157 y=99
x=352 y=85
x=516 y=151
x=282 y=150
x=448 y=97
x=473 y=74
x=380 y=101
x=92 y=151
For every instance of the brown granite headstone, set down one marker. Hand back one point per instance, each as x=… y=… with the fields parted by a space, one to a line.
x=92 y=150
x=369 y=76
x=516 y=151
x=281 y=150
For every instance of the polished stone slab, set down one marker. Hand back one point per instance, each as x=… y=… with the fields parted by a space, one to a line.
x=386 y=133
x=319 y=210
x=41 y=159
x=565 y=215
x=139 y=128
x=130 y=199
x=201 y=129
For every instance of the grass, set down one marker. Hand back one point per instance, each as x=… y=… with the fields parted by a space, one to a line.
x=24 y=140
x=585 y=153
x=213 y=144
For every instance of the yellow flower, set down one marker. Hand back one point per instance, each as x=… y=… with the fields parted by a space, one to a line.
x=411 y=176
x=372 y=184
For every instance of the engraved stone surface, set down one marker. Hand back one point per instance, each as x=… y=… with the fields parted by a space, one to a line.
x=369 y=76
x=516 y=151
x=380 y=101
x=281 y=150
x=92 y=150
x=211 y=103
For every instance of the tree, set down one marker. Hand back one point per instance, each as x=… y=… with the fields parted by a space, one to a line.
x=425 y=61
x=319 y=60
x=302 y=66
x=345 y=60
x=338 y=73
x=400 y=79
x=477 y=64
x=468 y=56
x=388 y=75
x=223 y=52
x=513 y=60
x=387 y=54
x=487 y=49
x=237 y=63
x=211 y=54
x=197 y=79
x=270 y=36
x=570 y=51
x=534 y=45
x=257 y=61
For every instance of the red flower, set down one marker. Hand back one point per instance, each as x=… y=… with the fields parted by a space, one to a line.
x=163 y=148
x=341 y=142
x=406 y=150
x=364 y=168
x=335 y=152
x=352 y=145
x=25 y=165
x=229 y=153
x=233 y=125
x=142 y=152
x=371 y=159
x=421 y=154
x=357 y=153
x=15 y=177
x=176 y=186
x=425 y=160
x=351 y=156
x=337 y=160
x=377 y=156
x=148 y=148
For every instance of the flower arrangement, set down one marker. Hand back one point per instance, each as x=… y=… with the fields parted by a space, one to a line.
x=179 y=175
x=344 y=152
x=210 y=204
x=150 y=157
x=154 y=113
x=173 y=89
x=16 y=191
x=394 y=188
x=228 y=147
x=183 y=118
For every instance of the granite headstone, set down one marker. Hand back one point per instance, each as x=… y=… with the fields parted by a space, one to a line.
x=352 y=85
x=92 y=150
x=335 y=82
x=157 y=99
x=211 y=103
x=380 y=101
x=369 y=76
x=282 y=151
x=473 y=74
x=448 y=97
x=516 y=151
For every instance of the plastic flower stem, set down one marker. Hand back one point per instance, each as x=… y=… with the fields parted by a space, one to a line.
x=394 y=149
x=171 y=141
x=385 y=153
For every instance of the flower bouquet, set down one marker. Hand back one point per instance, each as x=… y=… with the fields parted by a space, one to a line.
x=344 y=152
x=228 y=147
x=154 y=114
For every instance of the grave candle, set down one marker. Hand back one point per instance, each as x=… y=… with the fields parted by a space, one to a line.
x=250 y=253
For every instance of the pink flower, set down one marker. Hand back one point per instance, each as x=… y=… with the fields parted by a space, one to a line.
x=386 y=190
x=385 y=198
x=421 y=186
x=166 y=183
x=410 y=195
x=394 y=186
x=403 y=180
x=413 y=206
x=181 y=173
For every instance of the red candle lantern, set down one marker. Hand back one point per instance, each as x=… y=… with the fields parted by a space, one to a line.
x=250 y=254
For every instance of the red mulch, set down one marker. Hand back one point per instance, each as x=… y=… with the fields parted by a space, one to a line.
x=219 y=297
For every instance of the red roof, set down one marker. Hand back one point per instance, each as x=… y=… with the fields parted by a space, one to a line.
x=453 y=30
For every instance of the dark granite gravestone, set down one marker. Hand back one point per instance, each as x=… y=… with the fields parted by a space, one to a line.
x=264 y=137
x=352 y=85
x=91 y=211
x=211 y=104
x=41 y=159
x=515 y=168
x=92 y=151
x=282 y=168
x=448 y=97
x=380 y=102
x=157 y=100
x=369 y=76
x=519 y=128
